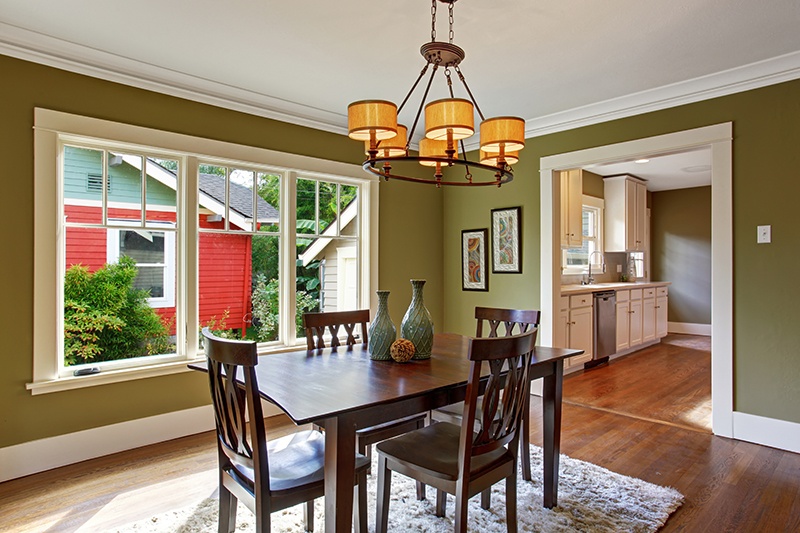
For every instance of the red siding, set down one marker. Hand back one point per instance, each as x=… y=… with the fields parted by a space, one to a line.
x=225 y=270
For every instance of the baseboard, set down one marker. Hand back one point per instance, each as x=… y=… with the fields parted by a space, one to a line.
x=687 y=328
x=767 y=431
x=44 y=454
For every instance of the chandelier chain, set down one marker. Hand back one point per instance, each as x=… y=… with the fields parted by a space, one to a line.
x=433 y=21
x=451 y=21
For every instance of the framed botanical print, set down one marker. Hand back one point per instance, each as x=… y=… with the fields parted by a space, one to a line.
x=506 y=243
x=474 y=260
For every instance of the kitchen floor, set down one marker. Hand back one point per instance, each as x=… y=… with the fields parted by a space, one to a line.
x=668 y=383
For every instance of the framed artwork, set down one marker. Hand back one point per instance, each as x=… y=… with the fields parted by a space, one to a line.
x=474 y=260
x=506 y=243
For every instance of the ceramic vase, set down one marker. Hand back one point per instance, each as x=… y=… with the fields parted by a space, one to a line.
x=417 y=325
x=382 y=332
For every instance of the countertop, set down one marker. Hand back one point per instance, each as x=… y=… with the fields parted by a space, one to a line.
x=615 y=286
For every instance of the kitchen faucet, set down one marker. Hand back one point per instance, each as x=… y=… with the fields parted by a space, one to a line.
x=590 y=279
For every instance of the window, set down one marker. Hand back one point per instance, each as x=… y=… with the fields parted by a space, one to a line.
x=576 y=260
x=183 y=240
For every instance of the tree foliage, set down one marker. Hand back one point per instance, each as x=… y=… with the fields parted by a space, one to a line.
x=106 y=318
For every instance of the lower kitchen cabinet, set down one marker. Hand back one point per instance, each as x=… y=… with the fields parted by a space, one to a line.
x=661 y=312
x=575 y=327
x=649 y=315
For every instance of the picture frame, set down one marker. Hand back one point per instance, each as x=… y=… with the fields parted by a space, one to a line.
x=507 y=240
x=474 y=260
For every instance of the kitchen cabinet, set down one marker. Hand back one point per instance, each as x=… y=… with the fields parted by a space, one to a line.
x=648 y=314
x=661 y=311
x=575 y=327
x=625 y=214
x=635 y=318
x=623 y=320
x=571 y=208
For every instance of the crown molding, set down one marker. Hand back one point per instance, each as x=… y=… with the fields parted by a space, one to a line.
x=38 y=48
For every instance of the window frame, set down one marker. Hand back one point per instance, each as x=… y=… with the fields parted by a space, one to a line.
x=53 y=128
x=598 y=205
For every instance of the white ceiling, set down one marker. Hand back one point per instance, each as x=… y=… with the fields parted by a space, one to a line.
x=664 y=171
x=556 y=63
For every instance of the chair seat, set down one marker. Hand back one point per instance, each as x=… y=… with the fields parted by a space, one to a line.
x=434 y=449
x=297 y=460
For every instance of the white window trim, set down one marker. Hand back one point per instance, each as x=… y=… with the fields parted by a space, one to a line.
x=112 y=256
x=53 y=127
x=597 y=261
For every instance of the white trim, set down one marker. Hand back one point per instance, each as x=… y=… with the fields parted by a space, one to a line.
x=719 y=138
x=767 y=431
x=31 y=46
x=687 y=328
x=52 y=452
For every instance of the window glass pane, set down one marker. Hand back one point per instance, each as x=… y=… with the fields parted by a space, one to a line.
x=310 y=253
x=125 y=197
x=266 y=289
x=212 y=199
x=306 y=206
x=162 y=182
x=348 y=202
x=147 y=249
x=328 y=207
x=225 y=282
x=83 y=185
x=106 y=316
x=269 y=194
x=240 y=200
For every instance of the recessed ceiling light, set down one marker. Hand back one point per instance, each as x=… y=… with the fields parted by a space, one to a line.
x=642 y=161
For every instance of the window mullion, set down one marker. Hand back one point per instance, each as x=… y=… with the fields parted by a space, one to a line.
x=288 y=249
x=188 y=255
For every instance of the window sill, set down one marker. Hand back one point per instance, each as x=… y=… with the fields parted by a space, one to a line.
x=110 y=376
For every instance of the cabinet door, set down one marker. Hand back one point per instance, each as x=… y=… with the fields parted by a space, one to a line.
x=630 y=215
x=661 y=316
x=648 y=319
x=575 y=209
x=640 y=217
x=581 y=331
x=561 y=333
x=623 y=325
x=635 y=322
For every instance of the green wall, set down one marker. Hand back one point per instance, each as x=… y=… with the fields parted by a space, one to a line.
x=680 y=246
x=766 y=163
x=410 y=237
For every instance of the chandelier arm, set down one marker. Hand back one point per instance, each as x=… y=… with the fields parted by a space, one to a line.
x=471 y=97
x=502 y=175
x=413 y=87
x=422 y=104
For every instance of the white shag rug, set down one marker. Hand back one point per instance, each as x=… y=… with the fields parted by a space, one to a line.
x=590 y=499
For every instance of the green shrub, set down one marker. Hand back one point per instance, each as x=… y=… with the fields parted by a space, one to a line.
x=106 y=318
x=265 y=308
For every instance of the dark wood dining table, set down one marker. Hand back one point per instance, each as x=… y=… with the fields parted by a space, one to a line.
x=342 y=390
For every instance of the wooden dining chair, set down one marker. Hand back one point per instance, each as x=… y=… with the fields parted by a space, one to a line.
x=317 y=327
x=469 y=458
x=513 y=322
x=265 y=476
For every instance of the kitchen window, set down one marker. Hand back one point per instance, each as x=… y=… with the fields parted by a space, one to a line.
x=193 y=233
x=575 y=261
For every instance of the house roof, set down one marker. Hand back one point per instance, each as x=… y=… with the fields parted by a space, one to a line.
x=241 y=198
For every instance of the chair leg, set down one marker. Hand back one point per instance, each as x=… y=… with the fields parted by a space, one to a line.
x=308 y=515
x=511 y=503
x=360 y=507
x=441 y=503
x=227 y=510
x=421 y=485
x=382 y=501
x=462 y=508
x=486 y=498
x=525 y=443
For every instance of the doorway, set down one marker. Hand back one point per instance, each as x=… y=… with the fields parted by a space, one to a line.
x=718 y=139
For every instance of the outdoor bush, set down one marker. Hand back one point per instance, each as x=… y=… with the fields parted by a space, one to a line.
x=265 y=308
x=106 y=318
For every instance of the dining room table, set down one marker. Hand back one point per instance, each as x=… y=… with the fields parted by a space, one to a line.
x=341 y=389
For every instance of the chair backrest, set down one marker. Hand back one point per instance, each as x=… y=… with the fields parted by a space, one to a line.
x=509 y=361
x=516 y=321
x=315 y=325
x=234 y=394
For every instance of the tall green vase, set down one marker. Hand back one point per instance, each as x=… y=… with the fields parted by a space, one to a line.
x=417 y=325
x=382 y=332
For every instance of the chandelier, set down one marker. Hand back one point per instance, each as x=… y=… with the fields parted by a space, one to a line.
x=448 y=122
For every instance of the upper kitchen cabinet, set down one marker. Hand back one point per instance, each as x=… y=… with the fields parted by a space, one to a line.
x=625 y=214
x=571 y=208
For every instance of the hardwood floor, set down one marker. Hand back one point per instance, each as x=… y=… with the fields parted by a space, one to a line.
x=644 y=415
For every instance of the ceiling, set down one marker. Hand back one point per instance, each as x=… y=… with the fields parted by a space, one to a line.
x=663 y=172
x=558 y=64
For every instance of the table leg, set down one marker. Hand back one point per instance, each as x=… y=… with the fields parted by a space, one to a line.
x=340 y=458
x=551 y=401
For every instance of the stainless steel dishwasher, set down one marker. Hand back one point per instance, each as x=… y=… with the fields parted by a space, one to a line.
x=605 y=327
